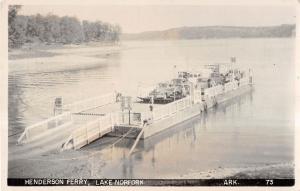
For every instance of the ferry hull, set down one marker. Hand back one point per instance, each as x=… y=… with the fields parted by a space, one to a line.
x=191 y=112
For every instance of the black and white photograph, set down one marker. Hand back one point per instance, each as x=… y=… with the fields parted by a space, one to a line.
x=150 y=94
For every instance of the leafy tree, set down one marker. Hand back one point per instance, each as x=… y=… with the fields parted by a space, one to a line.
x=54 y=29
x=12 y=32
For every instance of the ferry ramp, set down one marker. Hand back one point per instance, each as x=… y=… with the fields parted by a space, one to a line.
x=110 y=121
x=50 y=134
x=79 y=124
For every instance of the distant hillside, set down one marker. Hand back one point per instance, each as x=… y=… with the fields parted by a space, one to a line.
x=209 y=32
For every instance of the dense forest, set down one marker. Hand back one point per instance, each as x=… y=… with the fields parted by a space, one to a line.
x=54 y=29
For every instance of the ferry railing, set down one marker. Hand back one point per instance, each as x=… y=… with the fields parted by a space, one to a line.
x=92 y=130
x=235 y=84
x=213 y=91
x=219 y=89
x=244 y=81
x=90 y=103
x=228 y=87
x=171 y=108
x=197 y=95
x=45 y=127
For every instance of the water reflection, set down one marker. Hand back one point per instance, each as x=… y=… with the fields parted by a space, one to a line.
x=180 y=139
x=31 y=93
x=187 y=130
x=15 y=94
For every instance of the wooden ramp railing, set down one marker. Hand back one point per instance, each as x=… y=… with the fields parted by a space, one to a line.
x=91 y=131
x=46 y=127
x=62 y=121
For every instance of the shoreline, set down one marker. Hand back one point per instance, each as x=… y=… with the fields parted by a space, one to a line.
x=278 y=171
x=43 y=50
x=64 y=58
x=67 y=168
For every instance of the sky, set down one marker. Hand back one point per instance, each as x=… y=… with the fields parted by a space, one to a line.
x=139 y=18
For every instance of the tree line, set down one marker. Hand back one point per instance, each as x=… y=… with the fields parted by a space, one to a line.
x=54 y=29
x=216 y=32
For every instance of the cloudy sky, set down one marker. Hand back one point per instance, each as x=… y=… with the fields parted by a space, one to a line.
x=138 y=18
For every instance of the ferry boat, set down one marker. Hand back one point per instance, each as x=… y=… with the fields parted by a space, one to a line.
x=210 y=76
x=168 y=104
x=187 y=95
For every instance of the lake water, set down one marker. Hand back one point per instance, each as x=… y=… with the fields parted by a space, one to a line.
x=255 y=129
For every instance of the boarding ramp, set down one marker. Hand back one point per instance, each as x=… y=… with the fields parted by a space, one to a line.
x=46 y=127
x=99 y=127
x=90 y=132
x=66 y=119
